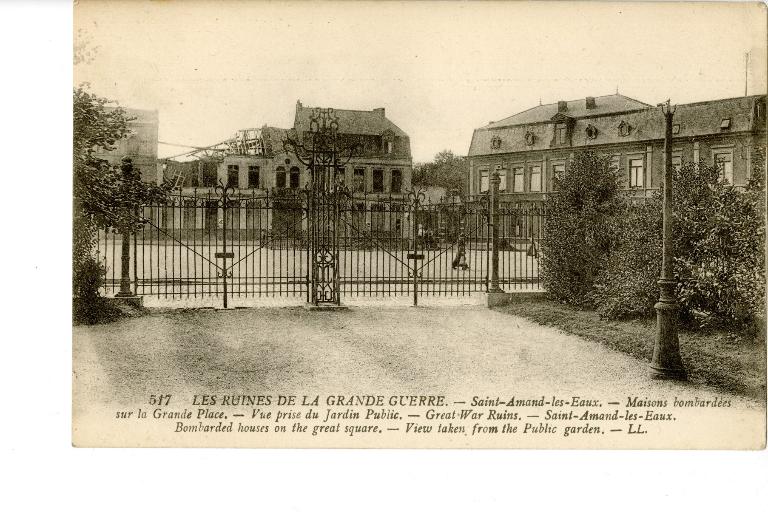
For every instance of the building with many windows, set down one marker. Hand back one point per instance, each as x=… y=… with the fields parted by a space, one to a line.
x=255 y=164
x=530 y=147
x=255 y=158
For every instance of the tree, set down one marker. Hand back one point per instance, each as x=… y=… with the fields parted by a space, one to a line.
x=446 y=170
x=103 y=196
x=578 y=236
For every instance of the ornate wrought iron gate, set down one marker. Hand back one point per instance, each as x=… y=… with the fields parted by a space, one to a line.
x=324 y=158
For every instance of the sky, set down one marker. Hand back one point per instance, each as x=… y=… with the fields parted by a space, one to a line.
x=440 y=69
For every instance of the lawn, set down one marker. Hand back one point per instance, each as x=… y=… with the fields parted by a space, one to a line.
x=730 y=361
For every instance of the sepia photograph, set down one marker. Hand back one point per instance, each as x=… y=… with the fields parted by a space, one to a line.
x=504 y=225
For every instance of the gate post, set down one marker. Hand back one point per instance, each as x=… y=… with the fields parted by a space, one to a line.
x=125 y=245
x=494 y=223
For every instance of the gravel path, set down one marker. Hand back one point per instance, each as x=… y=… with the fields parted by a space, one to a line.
x=451 y=351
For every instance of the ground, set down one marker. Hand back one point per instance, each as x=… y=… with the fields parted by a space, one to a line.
x=727 y=359
x=459 y=352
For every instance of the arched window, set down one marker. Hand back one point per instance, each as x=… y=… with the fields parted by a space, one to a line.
x=280 y=177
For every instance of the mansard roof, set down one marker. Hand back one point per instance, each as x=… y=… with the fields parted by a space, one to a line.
x=575 y=108
x=353 y=122
x=694 y=120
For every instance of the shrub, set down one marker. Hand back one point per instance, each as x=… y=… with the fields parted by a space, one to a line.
x=719 y=259
x=88 y=306
x=719 y=236
x=627 y=286
x=577 y=239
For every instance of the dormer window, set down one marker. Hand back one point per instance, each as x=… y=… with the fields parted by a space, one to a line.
x=496 y=142
x=725 y=124
x=530 y=138
x=624 y=129
x=387 y=142
x=591 y=132
x=561 y=134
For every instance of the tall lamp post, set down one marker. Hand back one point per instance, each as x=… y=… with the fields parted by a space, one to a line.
x=667 y=363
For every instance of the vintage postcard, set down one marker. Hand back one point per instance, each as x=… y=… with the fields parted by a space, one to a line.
x=419 y=225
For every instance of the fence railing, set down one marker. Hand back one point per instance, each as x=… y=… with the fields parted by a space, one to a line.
x=256 y=245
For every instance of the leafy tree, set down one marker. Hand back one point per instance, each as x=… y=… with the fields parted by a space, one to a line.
x=103 y=196
x=446 y=170
x=578 y=236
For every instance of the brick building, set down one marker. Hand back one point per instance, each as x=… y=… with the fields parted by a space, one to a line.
x=530 y=147
x=140 y=144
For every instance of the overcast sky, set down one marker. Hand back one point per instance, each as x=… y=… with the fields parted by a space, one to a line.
x=439 y=69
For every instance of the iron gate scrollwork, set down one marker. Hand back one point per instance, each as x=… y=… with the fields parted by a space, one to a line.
x=321 y=152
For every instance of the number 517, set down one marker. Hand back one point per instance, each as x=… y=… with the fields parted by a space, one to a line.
x=159 y=399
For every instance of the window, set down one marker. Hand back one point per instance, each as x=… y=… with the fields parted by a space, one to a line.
x=388 y=146
x=724 y=162
x=359 y=180
x=517 y=179
x=725 y=123
x=209 y=175
x=502 y=178
x=378 y=180
x=341 y=175
x=636 y=175
x=253 y=176
x=557 y=172
x=624 y=129
x=295 y=174
x=397 y=181
x=280 y=177
x=484 y=180
x=495 y=142
x=675 y=129
x=233 y=172
x=534 y=183
x=561 y=134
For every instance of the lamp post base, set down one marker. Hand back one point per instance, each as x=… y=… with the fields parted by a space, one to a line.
x=667 y=363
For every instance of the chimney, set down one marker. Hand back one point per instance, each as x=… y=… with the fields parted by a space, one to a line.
x=379 y=111
x=591 y=102
x=299 y=105
x=562 y=106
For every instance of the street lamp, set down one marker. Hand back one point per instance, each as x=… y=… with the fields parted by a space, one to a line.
x=666 y=362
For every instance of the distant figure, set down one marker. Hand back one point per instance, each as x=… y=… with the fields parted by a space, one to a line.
x=460 y=261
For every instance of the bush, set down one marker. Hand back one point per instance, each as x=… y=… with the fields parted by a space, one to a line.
x=720 y=234
x=88 y=306
x=627 y=286
x=719 y=259
x=577 y=239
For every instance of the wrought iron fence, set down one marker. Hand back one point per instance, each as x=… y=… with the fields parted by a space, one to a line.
x=238 y=245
